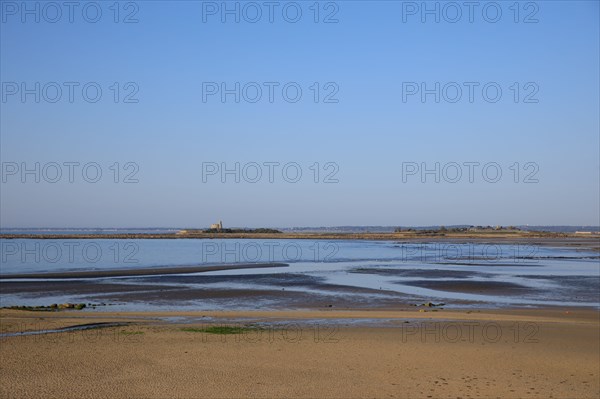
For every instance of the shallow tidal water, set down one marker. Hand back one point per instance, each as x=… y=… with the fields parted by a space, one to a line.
x=361 y=273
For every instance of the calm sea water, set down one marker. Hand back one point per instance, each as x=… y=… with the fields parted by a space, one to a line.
x=561 y=276
x=158 y=230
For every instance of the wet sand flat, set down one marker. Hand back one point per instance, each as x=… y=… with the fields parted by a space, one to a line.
x=471 y=286
x=284 y=290
x=147 y=271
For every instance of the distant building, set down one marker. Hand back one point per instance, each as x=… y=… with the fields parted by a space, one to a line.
x=217 y=226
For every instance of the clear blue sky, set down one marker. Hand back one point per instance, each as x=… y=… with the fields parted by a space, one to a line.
x=368 y=54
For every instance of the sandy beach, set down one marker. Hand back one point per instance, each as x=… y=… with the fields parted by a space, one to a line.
x=544 y=353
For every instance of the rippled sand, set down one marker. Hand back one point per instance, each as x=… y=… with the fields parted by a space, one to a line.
x=510 y=353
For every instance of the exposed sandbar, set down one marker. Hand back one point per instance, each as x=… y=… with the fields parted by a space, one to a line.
x=147 y=271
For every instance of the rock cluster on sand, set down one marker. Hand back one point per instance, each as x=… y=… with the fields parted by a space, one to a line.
x=54 y=306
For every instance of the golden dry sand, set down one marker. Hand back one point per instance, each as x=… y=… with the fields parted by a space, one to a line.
x=508 y=353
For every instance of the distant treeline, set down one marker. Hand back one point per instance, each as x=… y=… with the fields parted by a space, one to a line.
x=443 y=229
x=243 y=231
x=390 y=229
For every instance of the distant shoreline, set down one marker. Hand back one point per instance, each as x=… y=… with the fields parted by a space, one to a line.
x=501 y=237
x=503 y=234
